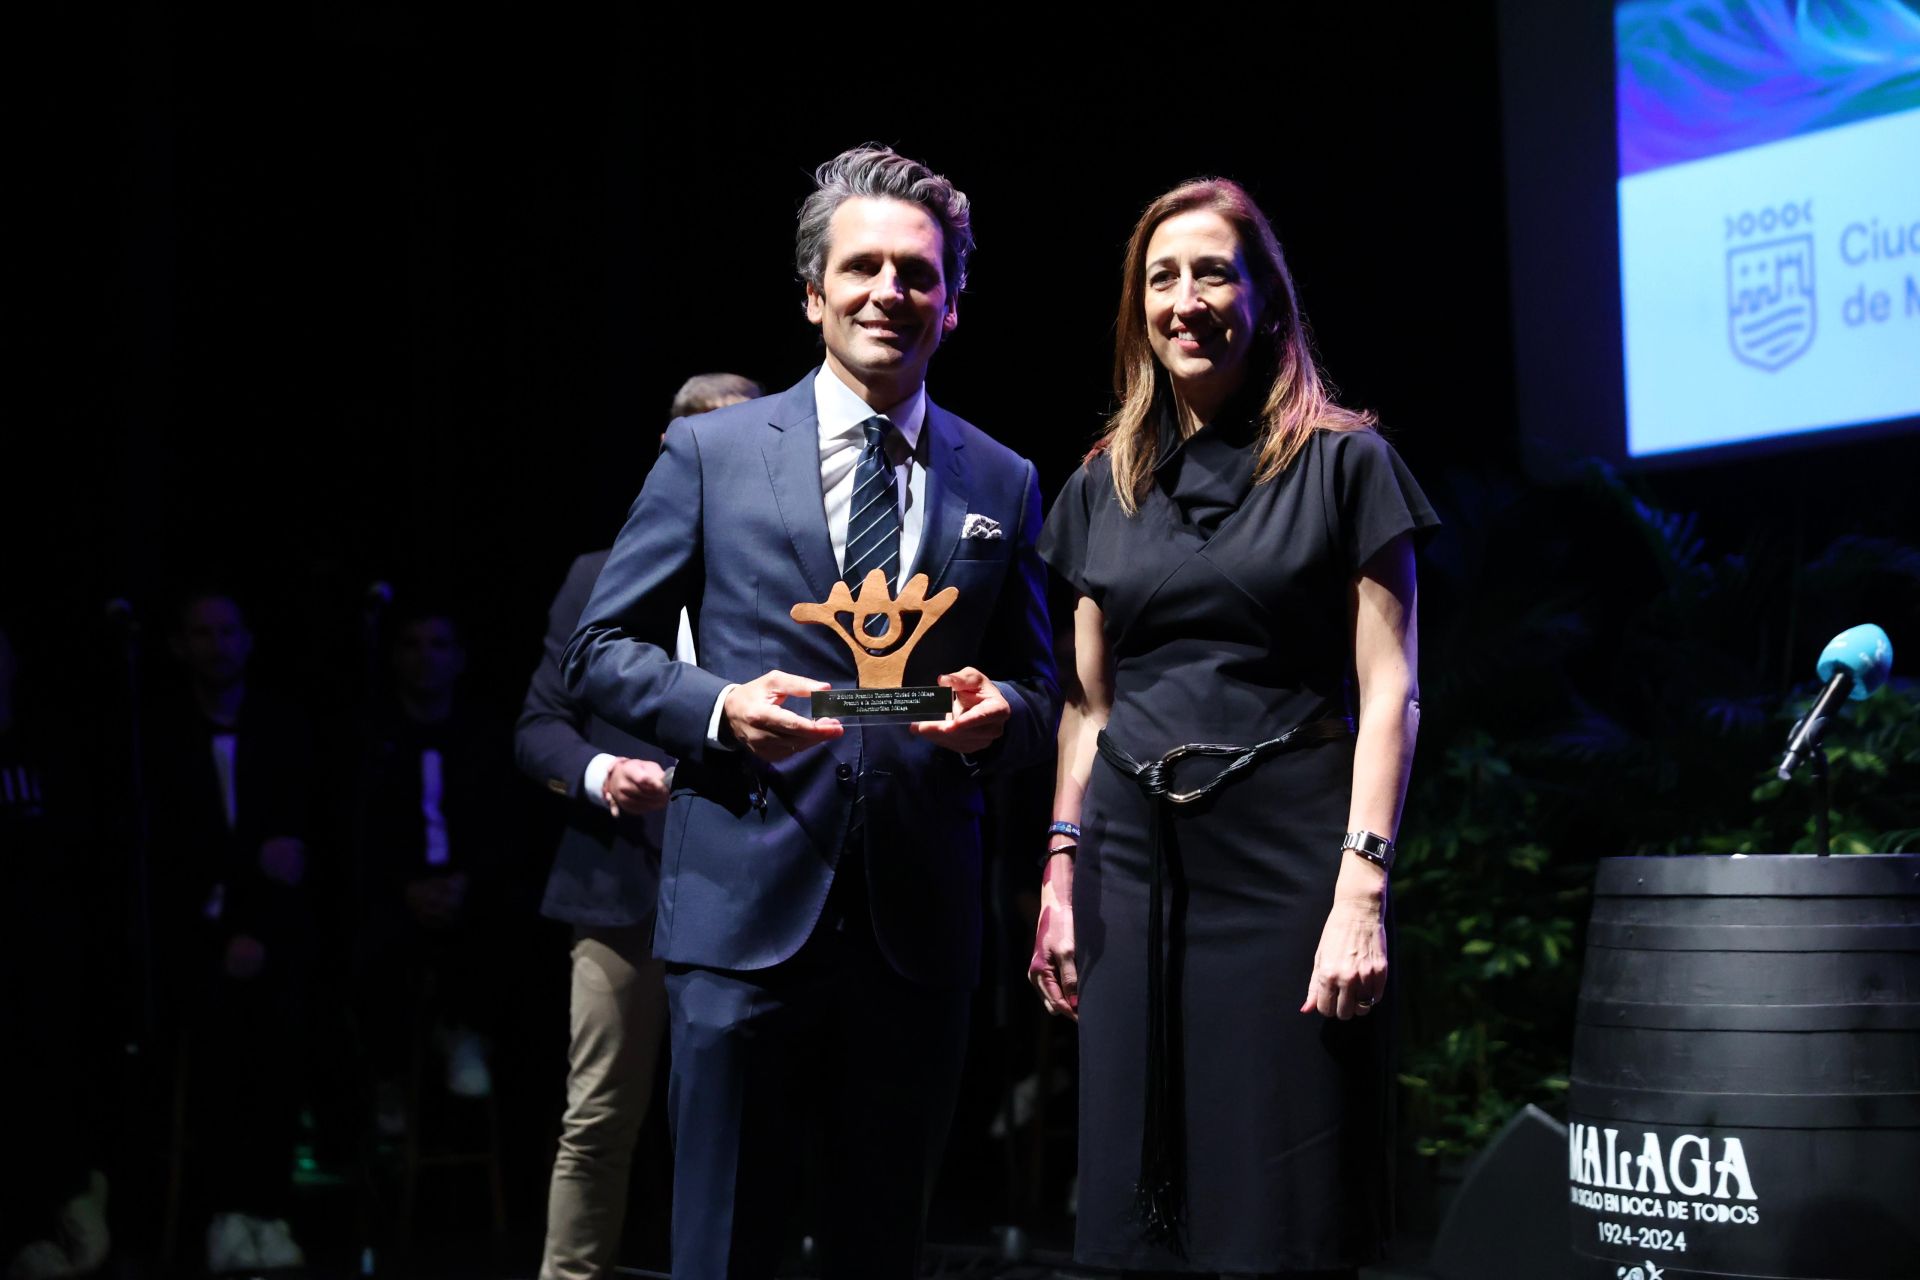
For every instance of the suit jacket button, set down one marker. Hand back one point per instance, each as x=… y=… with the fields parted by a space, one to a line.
x=844 y=773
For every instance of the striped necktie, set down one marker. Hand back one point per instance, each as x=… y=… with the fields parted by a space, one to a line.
x=873 y=522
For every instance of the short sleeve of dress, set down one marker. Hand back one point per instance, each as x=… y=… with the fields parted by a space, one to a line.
x=1375 y=498
x=1063 y=538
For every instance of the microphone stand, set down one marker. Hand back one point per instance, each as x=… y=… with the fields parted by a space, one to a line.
x=1808 y=743
x=1823 y=801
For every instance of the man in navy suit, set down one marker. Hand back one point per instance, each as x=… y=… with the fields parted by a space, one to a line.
x=820 y=883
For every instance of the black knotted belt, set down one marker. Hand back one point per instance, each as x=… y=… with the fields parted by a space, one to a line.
x=1159 y=1196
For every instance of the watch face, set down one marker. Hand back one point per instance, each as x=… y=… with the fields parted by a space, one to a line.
x=1371 y=847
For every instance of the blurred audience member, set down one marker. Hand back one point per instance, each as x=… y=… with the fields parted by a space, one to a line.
x=604 y=882
x=227 y=777
x=430 y=833
x=23 y=800
x=52 y=1204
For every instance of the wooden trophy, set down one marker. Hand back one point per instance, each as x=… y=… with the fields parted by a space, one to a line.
x=880 y=657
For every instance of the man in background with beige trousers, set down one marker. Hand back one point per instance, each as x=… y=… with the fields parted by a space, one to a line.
x=605 y=881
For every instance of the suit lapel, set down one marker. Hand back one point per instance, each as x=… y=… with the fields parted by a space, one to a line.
x=946 y=496
x=793 y=468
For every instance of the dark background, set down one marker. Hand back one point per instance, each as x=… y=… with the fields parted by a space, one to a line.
x=323 y=297
x=308 y=298
x=305 y=298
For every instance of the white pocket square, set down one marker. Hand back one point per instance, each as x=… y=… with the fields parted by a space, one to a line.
x=979 y=526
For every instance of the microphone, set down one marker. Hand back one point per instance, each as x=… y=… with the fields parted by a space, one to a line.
x=1853 y=664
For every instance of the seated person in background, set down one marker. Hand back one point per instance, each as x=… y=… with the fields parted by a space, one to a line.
x=430 y=852
x=52 y=1199
x=227 y=770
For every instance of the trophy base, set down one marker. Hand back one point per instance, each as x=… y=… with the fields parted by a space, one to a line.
x=883 y=706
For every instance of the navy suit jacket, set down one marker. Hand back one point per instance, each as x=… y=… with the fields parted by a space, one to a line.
x=731 y=524
x=606 y=871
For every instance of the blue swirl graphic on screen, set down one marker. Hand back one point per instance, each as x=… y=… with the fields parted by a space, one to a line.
x=1696 y=78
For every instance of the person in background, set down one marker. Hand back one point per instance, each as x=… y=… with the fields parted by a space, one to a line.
x=705 y=392
x=53 y=1198
x=604 y=882
x=432 y=832
x=227 y=775
x=23 y=770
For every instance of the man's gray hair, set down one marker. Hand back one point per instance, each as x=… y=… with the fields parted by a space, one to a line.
x=706 y=391
x=876 y=170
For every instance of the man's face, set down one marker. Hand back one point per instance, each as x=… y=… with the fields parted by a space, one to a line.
x=882 y=304
x=214 y=642
x=428 y=657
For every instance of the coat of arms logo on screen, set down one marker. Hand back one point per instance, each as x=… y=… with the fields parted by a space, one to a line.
x=1770 y=301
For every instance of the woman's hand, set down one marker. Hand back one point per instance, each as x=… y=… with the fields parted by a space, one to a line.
x=1087 y=684
x=1350 y=968
x=1051 y=970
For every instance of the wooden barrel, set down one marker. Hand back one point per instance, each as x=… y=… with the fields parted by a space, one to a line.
x=1746 y=1070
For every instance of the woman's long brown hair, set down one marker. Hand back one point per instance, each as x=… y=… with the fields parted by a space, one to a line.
x=1298 y=401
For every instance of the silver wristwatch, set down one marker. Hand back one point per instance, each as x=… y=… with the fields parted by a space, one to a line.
x=1375 y=849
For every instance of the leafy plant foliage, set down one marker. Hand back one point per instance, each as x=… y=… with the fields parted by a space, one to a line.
x=1599 y=679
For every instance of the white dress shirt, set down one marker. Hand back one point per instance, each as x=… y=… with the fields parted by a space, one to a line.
x=838 y=412
x=432 y=813
x=225 y=744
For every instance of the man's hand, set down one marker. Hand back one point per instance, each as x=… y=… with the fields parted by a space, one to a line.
x=634 y=786
x=284 y=858
x=767 y=729
x=978 y=719
x=436 y=900
x=245 y=957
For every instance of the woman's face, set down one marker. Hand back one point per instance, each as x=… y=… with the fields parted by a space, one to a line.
x=1201 y=303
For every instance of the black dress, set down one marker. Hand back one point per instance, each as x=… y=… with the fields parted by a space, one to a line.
x=1225 y=608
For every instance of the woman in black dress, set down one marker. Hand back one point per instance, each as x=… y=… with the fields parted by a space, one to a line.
x=1242 y=550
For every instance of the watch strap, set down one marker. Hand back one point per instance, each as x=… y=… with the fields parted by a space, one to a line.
x=1376 y=849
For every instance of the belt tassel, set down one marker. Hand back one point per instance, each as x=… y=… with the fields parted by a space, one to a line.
x=1159 y=1196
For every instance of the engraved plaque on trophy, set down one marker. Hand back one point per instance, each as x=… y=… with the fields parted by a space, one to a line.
x=880 y=655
